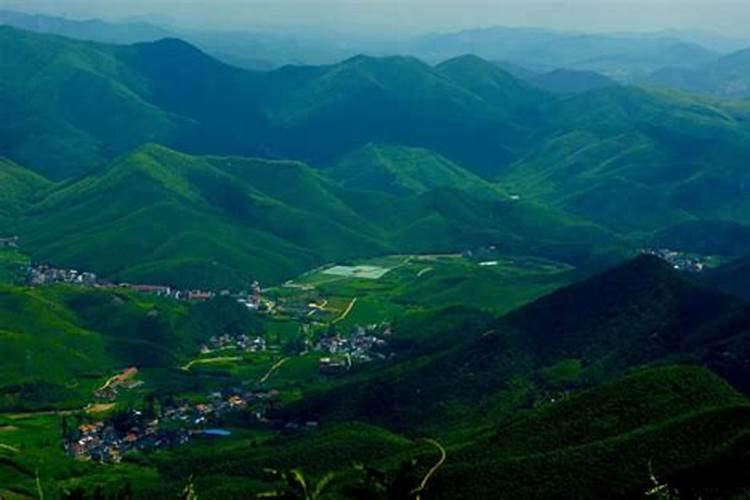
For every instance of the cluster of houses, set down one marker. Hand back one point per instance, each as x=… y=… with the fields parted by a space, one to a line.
x=254 y=300
x=103 y=442
x=11 y=242
x=45 y=275
x=172 y=293
x=679 y=260
x=482 y=254
x=362 y=346
x=171 y=425
x=239 y=342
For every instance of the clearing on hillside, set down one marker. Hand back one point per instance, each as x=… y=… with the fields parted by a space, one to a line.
x=364 y=272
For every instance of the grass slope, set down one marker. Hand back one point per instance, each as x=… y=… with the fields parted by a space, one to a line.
x=18 y=187
x=579 y=336
x=403 y=171
x=637 y=160
x=733 y=278
x=684 y=421
x=170 y=92
x=161 y=216
x=62 y=342
x=724 y=77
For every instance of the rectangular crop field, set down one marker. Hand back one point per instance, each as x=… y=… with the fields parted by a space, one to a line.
x=363 y=272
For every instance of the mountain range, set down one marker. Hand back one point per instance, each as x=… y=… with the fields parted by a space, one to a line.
x=460 y=145
x=703 y=62
x=162 y=216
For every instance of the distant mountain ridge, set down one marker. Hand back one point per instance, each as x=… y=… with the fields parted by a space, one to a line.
x=626 y=57
x=636 y=163
x=310 y=113
x=619 y=56
x=725 y=77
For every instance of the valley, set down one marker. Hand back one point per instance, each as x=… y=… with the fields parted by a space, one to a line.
x=233 y=373
x=254 y=383
x=497 y=263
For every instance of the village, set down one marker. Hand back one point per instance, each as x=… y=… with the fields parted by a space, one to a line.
x=680 y=261
x=240 y=342
x=166 y=422
x=171 y=422
x=161 y=424
x=363 y=345
x=43 y=274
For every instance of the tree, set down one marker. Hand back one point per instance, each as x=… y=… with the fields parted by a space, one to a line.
x=660 y=490
x=374 y=484
x=188 y=493
x=297 y=487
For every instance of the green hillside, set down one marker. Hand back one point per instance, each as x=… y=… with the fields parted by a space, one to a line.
x=637 y=161
x=564 y=81
x=733 y=278
x=196 y=221
x=599 y=443
x=18 y=187
x=170 y=92
x=403 y=171
x=62 y=342
x=516 y=99
x=723 y=77
x=86 y=104
x=579 y=336
x=330 y=110
x=707 y=237
x=433 y=320
x=160 y=216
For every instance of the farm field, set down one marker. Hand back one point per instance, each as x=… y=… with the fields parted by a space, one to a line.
x=334 y=298
x=429 y=281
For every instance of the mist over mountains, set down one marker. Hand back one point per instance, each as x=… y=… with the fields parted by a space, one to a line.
x=626 y=57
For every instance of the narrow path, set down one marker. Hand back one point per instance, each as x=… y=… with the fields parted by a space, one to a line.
x=210 y=360
x=46 y=413
x=39 y=490
x=93 y=408
x=109 y=381
x=424 y=271
x=121 y=376
x=273 y=369
x=433 y=469
x=346 y=313
x=318 y=307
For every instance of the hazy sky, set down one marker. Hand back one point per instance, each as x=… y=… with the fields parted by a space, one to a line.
x=729 y=17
